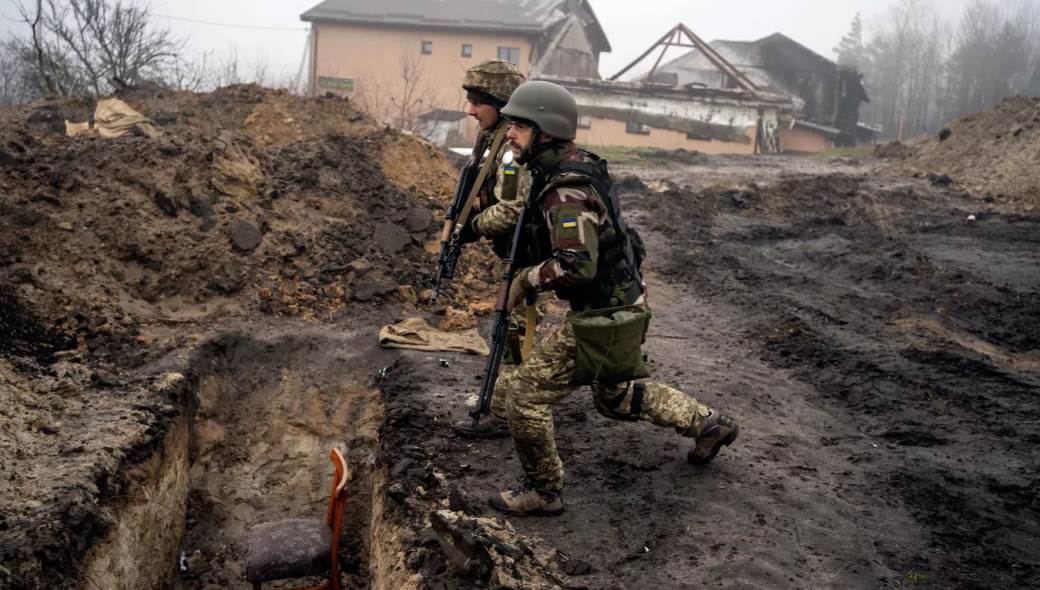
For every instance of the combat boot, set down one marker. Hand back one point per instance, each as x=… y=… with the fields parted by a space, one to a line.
x=527 y=499
x=718 y=431
x=491 y=426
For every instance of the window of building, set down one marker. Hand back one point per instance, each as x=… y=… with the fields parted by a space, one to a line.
x=637 y=128
x=584 y=122
x=509 y=54
x=467 y=50
x=427 y=47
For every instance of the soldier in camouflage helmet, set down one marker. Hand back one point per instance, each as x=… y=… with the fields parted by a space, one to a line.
x=488 y=86
x=577 y=253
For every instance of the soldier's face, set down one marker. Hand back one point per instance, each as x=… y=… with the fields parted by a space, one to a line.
x=520 y=136
x=485 y=114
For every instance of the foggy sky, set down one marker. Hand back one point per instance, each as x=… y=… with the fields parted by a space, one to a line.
x=631 y=25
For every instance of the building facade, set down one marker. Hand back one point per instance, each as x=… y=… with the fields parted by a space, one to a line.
x=403 y=61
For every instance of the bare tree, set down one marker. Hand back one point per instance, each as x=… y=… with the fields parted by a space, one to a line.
x=193 y=75
x=403 y=97
x=79 y=45
x=260 y=69
x=922 y=72
x=14 y=77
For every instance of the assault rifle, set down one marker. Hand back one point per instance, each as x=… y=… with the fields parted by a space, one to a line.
x=470 y=179
x=500 y=332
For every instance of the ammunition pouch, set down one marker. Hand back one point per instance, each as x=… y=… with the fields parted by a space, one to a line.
x=609 y=345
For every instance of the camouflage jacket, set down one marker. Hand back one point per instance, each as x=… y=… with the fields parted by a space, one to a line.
x=503 y=194
x=579 y=229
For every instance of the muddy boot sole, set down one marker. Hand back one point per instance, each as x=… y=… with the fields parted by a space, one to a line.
x=500 y=432
x=732 y=436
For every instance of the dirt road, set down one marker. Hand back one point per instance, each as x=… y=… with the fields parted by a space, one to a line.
x=881 y=352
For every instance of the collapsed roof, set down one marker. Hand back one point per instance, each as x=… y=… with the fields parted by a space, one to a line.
x=823 y=91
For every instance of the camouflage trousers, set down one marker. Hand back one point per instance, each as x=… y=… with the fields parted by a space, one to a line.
x=518 y=317
x=544 y=378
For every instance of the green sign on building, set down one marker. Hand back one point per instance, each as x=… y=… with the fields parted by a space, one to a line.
x=338 y=83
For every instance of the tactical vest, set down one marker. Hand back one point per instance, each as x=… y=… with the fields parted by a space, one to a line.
x=618 y=278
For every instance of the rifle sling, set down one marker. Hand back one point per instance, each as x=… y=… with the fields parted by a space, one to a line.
x=464 y=214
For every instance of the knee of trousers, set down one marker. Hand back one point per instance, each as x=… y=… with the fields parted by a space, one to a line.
x=609 y=400
x=529 y=418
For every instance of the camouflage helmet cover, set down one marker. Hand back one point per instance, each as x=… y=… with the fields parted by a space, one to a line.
x=494 y=77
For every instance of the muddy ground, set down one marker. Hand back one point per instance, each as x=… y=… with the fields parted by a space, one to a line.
x=880 y=349
x=881 y=353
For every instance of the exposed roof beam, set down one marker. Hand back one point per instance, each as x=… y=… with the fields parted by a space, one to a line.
x=674 y=38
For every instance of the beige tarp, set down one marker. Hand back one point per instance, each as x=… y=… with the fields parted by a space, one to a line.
x=114 y=118
x=236 y=170
x=416 y=334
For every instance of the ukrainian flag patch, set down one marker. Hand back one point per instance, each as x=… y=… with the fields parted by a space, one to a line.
x=510 y=171
x=569 y=222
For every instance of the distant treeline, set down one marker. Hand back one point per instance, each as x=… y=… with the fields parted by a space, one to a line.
x=930 y=70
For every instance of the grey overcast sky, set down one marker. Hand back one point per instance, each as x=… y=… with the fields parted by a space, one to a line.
x=631 y=25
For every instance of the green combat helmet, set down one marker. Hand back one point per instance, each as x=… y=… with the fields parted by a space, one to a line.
x=549 y=106
x=495 y=78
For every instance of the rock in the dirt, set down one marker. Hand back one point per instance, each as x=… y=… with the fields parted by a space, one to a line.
x=6 y=159
x=21 y=275
x=463 y=542
x=244 y=235
x=402 y=466
x=65 y=226
x=408 y=294
x=360 y=267
x=391 y=238
x=577 y=567
x=207 y=225
x=366 y=290
x=165 y=203
x=420 y=220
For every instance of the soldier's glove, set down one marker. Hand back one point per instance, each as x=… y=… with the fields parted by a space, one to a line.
x=517 y=293
x=469 y=234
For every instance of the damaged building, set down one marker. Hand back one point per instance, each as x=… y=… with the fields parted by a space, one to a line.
x=404 y=60
x=825 y=98
x=767 y=96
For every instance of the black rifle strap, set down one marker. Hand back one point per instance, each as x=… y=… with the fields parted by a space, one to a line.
x=638 y=390
x=635 y=407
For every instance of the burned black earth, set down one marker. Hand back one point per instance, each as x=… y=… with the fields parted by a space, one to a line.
x=878 y=347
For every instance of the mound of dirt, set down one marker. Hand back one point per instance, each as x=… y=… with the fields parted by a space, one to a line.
x=994 y=154
x=108 y=237
x=269 y=117
x=117 y=256
x=894 y=150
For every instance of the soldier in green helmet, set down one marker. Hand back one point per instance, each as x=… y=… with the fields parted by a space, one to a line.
x=581 y=250
x=488 y=86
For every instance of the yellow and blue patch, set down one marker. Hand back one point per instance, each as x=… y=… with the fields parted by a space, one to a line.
x=510 y=171
x=569 y=222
